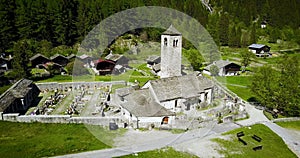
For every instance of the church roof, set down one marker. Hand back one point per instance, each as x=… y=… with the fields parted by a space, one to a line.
x=141 y=104
x=171 y=31
x=124 y=91
x=187 y=86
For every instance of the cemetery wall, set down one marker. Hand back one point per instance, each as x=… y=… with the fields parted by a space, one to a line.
x=75 y=85
x=60 y=119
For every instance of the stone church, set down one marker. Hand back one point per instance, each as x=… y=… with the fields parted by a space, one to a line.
x=159 y=100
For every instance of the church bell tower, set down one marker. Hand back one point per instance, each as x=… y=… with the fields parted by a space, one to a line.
x=171 y=45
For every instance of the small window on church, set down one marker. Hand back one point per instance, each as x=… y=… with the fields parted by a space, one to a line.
x=174 y=43
x=165 y=42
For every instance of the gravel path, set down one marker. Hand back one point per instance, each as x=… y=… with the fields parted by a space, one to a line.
x=91 y=105
x=255 y=116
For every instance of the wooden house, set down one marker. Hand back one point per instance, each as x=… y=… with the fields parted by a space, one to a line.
x=86 y=59
x=118 y=59
x=260 y=50
x=5 y=64
x=105 y=66
x=38 y=59
x=59 y=59
x=226 y=68
x=71 y=57
x=153 y=60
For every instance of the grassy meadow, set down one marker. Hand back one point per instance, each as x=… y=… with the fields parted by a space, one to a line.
x=43 y=140
x=272 y=144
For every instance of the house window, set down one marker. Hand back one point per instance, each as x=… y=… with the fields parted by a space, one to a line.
x=165 y=42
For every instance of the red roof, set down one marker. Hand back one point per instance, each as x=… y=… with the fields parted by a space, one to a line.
x=105 y=61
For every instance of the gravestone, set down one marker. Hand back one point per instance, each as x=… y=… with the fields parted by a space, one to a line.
x=113 y=126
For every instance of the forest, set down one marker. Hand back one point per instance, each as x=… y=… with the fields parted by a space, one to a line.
x=48 y=27
x=64 y=23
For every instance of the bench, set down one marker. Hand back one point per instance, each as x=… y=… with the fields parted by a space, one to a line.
x=257 y=148
x=240 y=134
x=257 y=138
x=241 y=140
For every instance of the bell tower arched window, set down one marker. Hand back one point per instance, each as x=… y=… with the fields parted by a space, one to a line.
x=165 y=42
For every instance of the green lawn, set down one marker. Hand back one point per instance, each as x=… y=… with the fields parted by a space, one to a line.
x=273 y=145
x=161 y=153
x=291 y=124
x=240 y=85
x=130 y=76
x=42 y=140
x=58 y=78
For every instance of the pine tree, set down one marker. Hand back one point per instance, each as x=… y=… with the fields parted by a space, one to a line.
x=253 y=37
x=8 y=32
x=224 y=29
x=238 y=36
x=232 y=37
x=22 y=50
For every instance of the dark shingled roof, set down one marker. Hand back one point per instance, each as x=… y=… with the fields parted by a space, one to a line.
x=57 y=55
x=113 y=57
x=153 y=58
x=71 y=56
x=84 y=56
x=36 y=56
x=141 y=104
x=187 y=86
x=171 y=31
x=219 y=64
x=18 y=90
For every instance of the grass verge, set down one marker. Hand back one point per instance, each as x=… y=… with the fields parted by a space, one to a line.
x=272 y=144
x=291 y=125
x=43 y=140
